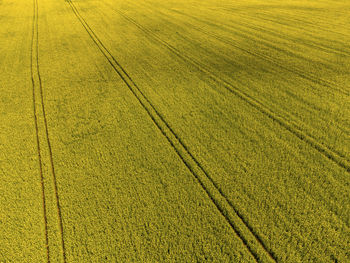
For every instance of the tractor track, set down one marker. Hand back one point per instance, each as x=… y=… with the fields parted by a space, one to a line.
x=33 y=72
x=292 y=25
x=37 y=90
x=241 y=33
x=268 y=59
x=309 y=77
x=342 y=156
x=295 y=40
x=325 y=150
x=287 y=20
x=238 y=223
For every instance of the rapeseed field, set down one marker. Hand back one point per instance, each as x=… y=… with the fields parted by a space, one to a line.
x=174 y=131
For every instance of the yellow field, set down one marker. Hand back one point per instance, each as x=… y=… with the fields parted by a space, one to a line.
x=174 y=131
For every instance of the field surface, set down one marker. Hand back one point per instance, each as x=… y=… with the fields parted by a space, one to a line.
x=174 y=131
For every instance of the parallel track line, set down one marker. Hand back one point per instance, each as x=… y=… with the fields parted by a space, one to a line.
x=36 y=76
x=307 y=76
x=324 y=150
x=238 y=224
x=33 y=77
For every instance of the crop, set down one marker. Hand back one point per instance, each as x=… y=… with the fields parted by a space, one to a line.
x=175 y=131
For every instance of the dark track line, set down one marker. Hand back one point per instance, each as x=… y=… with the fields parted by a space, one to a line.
x=266 y=58
x=331 y=149
x=324 y=150
x=59 y=213
x=285 y=21
x=35 y=50
x=292 y=24
x=179 y=147
x=306 y=42
x=32 y=50
x=287 y=114
x=307 y=76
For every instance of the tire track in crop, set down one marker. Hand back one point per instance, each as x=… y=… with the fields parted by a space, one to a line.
x=34 y=75
x=308 y=76
x=326 y=151
x=293 y=23
x=307 y=134
x=266 y=58
x=284 y=117
x=284 y=114
x=300 y=73
x=306 y=42
x=39 y=113
x=239 y=225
